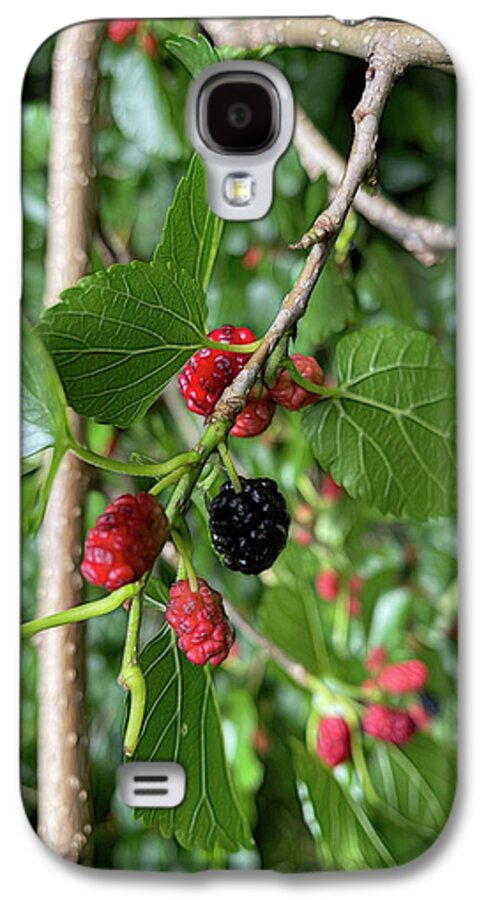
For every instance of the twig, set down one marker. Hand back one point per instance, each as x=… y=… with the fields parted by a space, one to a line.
x=427 y=240
x=383 y=68
x=295 y=670
x=408 y=43
x=380 y=77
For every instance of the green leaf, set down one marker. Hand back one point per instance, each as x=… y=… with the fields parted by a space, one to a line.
x=192 y=232
x=346 y=835
x=331 y=308
x=388 y=435
x=182 y=724
x=290 y=613
x=140 y=106
x=416 y=781
x=194 y=53
x=389 y=617
x=120 y=336
x=44 y=418
x=381 y=283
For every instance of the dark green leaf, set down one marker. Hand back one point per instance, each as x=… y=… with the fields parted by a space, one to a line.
x=44 y=420
x=331 y=307
x=345 y=833
x=389 y=437
x=120 y=336
x=182 y=724
x=290 y=613
x=139 y=104
x=375 y=586
x=381 y=283
x=194 y=53
x=192 y=232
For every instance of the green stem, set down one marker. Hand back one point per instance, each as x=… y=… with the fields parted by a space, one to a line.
x=131 y=676
x=276 y=361
x=233 y=348
x=229 y=466
x=143 y=470
x=214 y=434
x=82 y=612
x=176 y=475
x=185 y=556
x=340 y=629
x=321 y=389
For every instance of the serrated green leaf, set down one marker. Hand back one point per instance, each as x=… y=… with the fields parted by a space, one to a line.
x=342 y=827
x=194 y=53
x=182 y=724
x=44 y=418
x=389 y=436
x=192 y=232
x=120 y=336
x=140 y=107
x=381 y=283
x=416 y=781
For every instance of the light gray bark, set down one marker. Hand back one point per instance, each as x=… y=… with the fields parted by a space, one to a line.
x=64 y=812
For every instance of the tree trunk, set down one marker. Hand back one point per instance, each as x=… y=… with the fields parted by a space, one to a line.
x=64 y=812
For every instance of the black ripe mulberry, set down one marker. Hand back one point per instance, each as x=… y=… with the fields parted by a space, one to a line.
x=249 y=527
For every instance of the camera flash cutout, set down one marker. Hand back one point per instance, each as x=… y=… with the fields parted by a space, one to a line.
x=239 y=189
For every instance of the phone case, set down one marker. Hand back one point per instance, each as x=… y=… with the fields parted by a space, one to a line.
x=238 y=438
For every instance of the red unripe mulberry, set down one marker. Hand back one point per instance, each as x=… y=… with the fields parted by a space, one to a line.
x=120 y=29
x=327 y=585
x=403 y=677
x=288 y=393
x=330 y=490
x=125 y=541
x=255 y=417
x=206 y=375
x=333 y=740
x=200 y=622
x=387 y=724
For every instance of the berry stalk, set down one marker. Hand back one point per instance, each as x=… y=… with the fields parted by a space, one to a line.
x=148 y=470
x=229 y=466
x=82 y=612
x=131 y=676
x=233 y=348
x=309 y=385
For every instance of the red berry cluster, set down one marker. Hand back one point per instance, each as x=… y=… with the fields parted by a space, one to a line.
x=200 y=622
x=210 y=371
x=409 y=676
x=333 y=740
x=125 y=541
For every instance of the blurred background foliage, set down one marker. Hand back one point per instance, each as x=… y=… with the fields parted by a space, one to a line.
x=408 y=599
